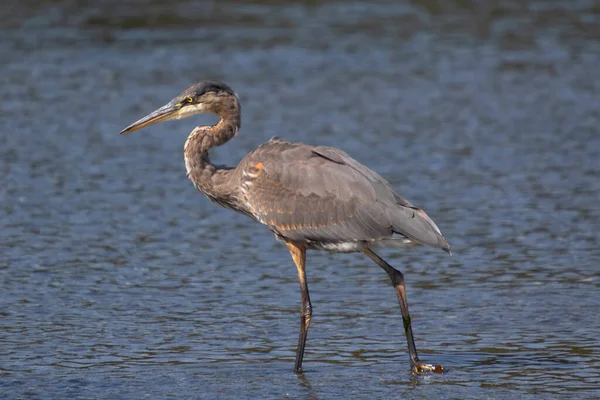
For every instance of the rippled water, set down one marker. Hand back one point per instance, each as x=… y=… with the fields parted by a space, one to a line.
x=118 y=280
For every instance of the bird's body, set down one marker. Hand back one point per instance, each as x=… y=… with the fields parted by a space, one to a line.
x=323 y=198
x=310 y=197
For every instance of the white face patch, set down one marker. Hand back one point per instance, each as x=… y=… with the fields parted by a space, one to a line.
x=191 y=109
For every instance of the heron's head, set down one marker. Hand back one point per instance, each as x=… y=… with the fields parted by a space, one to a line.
x=204 y=97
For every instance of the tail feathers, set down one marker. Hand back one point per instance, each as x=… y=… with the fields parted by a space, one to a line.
x=416 y=225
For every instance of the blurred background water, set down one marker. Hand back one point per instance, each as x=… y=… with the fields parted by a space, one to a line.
x=118 y=280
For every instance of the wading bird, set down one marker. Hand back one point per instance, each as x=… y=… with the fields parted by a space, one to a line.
x=310 y=197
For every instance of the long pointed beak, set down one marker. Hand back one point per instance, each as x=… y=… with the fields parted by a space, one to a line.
x=165 y=113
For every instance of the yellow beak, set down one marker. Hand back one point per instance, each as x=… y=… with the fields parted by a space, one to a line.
x=165 y=113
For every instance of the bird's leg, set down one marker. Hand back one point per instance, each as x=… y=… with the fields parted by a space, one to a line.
x=298 y=253
x=398 y=282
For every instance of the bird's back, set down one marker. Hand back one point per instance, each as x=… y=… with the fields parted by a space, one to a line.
x=322 y=197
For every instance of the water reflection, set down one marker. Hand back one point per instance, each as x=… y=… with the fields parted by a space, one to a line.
x=305 y=383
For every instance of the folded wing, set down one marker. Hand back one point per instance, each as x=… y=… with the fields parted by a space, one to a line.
x=318 y=193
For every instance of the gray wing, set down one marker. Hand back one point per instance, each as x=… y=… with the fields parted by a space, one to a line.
x=319 y=193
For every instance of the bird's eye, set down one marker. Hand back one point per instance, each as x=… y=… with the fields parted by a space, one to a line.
x=189 y=100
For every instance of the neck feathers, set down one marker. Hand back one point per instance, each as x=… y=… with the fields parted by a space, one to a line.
x=206 y=176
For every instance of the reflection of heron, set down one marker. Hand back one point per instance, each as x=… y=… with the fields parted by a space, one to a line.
x=311 y=197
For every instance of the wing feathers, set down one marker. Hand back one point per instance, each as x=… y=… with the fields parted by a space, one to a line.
x=416 y=225
x=320 y=193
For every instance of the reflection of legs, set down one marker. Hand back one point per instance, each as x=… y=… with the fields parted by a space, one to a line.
x=298 y=253
x=398 y=282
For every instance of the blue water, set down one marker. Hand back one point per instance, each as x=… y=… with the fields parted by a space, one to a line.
x=118 y=280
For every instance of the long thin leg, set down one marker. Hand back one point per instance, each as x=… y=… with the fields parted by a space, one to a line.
x=298 y=253
x=398 y=282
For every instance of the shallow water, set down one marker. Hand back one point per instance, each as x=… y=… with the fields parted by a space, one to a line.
x=118 y=280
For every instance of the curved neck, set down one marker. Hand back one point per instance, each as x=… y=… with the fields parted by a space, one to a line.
x=207 y=177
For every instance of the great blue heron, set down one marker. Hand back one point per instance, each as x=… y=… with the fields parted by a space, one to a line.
x=310 y=197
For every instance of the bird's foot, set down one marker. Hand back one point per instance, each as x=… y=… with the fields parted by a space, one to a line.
x=422 y=368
